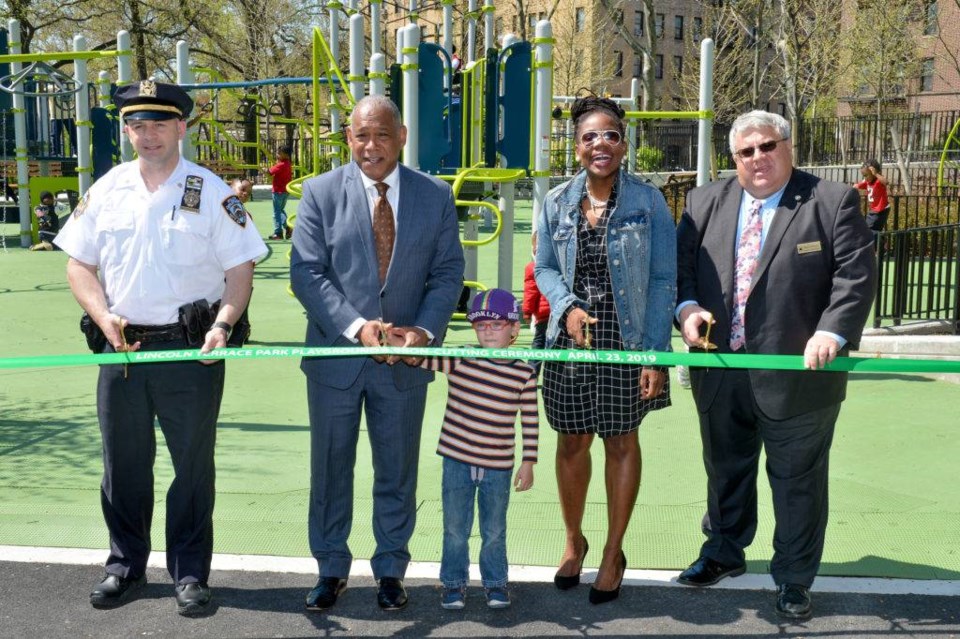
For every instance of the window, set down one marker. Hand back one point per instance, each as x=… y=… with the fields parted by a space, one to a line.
x=638 y=24
x=499 y=25
x=658 y=25
x=926 y=75
x=931 y=25
x=678 y=64
x=581 y=19
x=637 y=67
x=697 y=29
x=618 y=64
x=532 y=19
x=678 y=27
x=658 y=68
x=513 y=23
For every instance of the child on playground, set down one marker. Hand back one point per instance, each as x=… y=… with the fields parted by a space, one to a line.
x=282 y=172
x=477 y=442
x=876 y=187
x=243 y=189
x=536 y=308
x=47 y=221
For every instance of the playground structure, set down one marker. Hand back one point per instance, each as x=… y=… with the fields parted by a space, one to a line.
x=482 y=134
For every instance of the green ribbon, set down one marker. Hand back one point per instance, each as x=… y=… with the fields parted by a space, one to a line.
x=649 y=358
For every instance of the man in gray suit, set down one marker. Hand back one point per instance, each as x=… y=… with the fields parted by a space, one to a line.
x=376 y=260
x=779 y=262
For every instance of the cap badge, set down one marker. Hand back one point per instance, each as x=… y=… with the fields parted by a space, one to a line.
x=148 y=89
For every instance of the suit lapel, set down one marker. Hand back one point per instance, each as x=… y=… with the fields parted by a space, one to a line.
x=787 y=209
x=726 y=235
x=407 y=222
x=359 y=209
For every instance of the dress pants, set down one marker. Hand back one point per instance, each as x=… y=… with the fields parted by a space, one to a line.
x=798 y=452
x=184 y=398
x=394 y=419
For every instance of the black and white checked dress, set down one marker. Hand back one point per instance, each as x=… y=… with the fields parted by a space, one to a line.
x=582 y=398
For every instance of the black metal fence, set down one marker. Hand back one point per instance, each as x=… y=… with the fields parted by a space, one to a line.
x=919 y=276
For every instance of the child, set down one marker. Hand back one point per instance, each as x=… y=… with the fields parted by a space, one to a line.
x=243 y=189
x=47 y=221
x=477 y=446
x=876 y=186
x=282 y=171
x=536 y=308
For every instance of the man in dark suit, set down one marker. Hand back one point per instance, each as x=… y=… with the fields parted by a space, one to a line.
x=376 y=260
x=779 y=262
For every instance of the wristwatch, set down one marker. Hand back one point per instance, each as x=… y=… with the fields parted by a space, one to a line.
x=226 y=327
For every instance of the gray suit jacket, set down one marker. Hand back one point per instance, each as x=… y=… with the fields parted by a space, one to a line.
x=333 y=267
x=817 y=271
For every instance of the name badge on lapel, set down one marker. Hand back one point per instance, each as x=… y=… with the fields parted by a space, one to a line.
x=809 y=247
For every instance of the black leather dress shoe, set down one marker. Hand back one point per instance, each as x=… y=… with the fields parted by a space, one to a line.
x=390 y=594
x=324 y=594
x=115 y=591
x=793 y=601
x=706 y=572
x=193 y=599
x=603 y=596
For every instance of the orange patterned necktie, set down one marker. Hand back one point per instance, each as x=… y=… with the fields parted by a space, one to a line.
x=383 y=230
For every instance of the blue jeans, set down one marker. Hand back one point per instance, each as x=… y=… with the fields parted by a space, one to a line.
x=462 y=485
x=279 y=214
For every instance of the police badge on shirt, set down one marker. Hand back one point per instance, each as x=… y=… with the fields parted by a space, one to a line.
x=235 y=211
x=191 y=194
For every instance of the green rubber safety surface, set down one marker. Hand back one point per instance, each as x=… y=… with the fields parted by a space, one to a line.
x=895 y=501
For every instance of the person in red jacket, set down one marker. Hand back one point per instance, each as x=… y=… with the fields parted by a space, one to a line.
x=282 y=172
x=536 y=308
x=876 y=187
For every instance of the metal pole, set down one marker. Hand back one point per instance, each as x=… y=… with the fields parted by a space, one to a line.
x=188 y=146
x=335 y=115
x=376 y=27
x=84 y=164
x=124 y=75
x=103 y=89
x=705 y=126
x=505 y=246
x=471 y=31
x=489 y=37
x=378 y=69
x=356 y=56
x=20 y=137
x=411 y=94
x=632 y=128
x=543 y=96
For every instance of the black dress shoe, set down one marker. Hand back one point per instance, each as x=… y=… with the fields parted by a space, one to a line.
x=566 y=582
x=115 y=590
x=193 y=599
x=793 y=601
x=391 y=595
x=706 y=572
x=603 y=596
x=325 y=593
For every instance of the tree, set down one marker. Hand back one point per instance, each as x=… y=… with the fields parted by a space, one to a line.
x=643 y=47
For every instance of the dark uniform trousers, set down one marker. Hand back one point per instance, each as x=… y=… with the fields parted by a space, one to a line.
x=798 y=453
x=184 y=397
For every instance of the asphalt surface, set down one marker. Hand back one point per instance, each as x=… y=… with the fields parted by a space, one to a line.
x=51 y=600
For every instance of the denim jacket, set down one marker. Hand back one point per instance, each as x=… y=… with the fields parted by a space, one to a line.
x=642 y=253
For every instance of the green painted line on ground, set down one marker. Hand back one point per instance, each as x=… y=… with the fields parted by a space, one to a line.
x=630 y=358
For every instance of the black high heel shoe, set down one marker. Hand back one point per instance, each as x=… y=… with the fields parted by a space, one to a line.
x=564 y=582
x=603 y=596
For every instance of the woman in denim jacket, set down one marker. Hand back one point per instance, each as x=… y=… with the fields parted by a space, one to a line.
x=607 y=263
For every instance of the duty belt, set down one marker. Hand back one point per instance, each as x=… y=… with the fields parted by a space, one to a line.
x=144 y=333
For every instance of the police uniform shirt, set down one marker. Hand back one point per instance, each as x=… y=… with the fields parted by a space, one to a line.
x=154 y=255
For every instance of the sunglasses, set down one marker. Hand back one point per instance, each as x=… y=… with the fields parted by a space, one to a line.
x=766 y=147
x=611 y=136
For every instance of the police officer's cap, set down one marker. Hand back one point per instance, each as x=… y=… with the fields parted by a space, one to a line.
x=149 y=100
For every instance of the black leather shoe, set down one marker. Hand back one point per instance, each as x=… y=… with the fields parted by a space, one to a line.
x=115 y=591
x=566 y=582
x=193 y=599
x=325 y=593
x=793 y=601
x=603 y=596
x=706 y=572
x=391 y=595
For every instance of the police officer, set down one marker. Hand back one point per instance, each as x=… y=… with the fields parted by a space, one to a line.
x=151 y=240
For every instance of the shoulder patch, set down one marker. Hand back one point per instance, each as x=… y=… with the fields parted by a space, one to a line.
x=235 y=211
x=82 y=205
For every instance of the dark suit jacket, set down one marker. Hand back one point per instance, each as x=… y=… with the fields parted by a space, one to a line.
x=817 y=271
x=333 y=267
